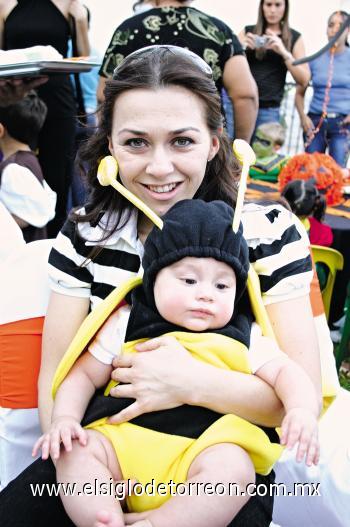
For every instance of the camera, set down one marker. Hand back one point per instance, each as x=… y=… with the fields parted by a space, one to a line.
x=260 y=41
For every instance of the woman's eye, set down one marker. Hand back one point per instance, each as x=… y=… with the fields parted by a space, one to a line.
x=136 y=142
x=183 y=141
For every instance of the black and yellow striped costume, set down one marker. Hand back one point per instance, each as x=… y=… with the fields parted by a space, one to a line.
x=162 y=445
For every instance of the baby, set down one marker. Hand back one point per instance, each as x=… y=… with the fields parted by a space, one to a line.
x=195 y=273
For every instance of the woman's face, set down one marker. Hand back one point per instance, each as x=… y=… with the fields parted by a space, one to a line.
x=333 y=26
x=273 y=11
x=162 y=144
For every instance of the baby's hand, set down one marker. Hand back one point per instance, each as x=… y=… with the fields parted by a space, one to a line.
x=63 y=429
x=300 y=426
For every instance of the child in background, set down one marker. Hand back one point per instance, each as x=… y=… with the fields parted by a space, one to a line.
x=23 y=190
x=267 y=141
x=309 y=205
x=195 y=273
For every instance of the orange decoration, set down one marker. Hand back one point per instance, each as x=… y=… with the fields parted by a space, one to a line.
x=320 y=167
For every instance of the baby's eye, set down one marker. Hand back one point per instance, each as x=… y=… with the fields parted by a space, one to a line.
x=221 y=286
x=136 y=142
x=189 y=281
x=182 y=141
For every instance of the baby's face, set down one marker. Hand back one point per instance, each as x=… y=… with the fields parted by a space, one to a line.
x=197 y=294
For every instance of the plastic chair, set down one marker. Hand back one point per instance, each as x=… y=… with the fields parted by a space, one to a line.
x=342 y=350
x=334 y=261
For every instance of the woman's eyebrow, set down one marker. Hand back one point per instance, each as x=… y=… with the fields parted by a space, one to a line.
x=187 y=129
x=130 y=131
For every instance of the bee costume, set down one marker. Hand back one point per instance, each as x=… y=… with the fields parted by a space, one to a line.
x=161 y=445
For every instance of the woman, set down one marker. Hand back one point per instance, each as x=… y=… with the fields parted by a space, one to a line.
x=161 y=119
x=177 y=22
x=26 y=23
x=271 y=47
x=327 y=125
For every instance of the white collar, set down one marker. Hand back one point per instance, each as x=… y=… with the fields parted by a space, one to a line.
x=127 y=234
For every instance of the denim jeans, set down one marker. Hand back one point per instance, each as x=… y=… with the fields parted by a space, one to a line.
x=268 y=115
x=333 y=134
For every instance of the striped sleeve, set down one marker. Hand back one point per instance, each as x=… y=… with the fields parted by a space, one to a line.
x=279 y=251
x=70 y=270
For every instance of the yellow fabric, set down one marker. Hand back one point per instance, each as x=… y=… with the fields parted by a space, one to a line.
x=149 y=455
x=166 y=457
x=89 y=328
x=334 y=261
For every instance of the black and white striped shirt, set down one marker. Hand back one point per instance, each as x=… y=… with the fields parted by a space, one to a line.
x=278 y=250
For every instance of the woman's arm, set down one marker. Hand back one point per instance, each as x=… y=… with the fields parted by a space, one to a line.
x=294 y=328
x=80 y=15
x=242 y=90
x=164 y=375
x=300 y=73
x=64 y=316
x=306 y=122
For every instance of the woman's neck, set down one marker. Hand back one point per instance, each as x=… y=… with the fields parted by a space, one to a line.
x=339 y=48
x=276 y=28
x=144 y=227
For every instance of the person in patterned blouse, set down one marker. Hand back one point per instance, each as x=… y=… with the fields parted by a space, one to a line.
x=176 y=22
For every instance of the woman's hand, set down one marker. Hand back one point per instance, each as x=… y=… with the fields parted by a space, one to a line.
x=249 y=40
x=307 y=126
x=158 y=379
x=63 y=429
x=346 y=120
x=274 y=42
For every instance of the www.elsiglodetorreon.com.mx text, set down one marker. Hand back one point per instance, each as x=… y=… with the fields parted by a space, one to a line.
x=121 y=490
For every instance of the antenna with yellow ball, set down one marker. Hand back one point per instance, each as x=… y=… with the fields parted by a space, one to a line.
x=107 y=175
x=245 y=155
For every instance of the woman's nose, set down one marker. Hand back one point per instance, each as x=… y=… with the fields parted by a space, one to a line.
x=160 y=163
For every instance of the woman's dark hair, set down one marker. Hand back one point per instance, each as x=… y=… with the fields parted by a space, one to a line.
x=154 y=68
x=261 y=26
x=344 y=15
x=304 y=198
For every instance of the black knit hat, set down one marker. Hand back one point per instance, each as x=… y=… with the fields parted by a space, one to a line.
x=196 y=228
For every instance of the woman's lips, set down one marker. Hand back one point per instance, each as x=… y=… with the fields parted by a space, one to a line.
x=162 y=192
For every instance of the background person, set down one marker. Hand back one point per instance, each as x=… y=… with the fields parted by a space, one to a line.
x=176 y=22
x=271 y=47
x=23 y=189
x=26 y=23
x=162 y=121
x=268 y=139
x=327 y=124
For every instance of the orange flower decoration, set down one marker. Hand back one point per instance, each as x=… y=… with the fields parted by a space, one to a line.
x=322 y=168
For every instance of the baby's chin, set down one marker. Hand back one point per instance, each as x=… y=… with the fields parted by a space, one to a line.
x=198 y=326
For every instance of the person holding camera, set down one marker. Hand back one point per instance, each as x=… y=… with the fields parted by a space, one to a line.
x=271 y=47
